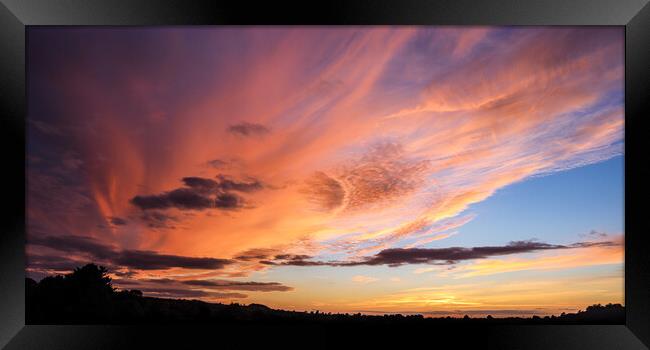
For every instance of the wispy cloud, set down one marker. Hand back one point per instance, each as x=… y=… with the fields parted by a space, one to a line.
x=437 y=256
x=248 y=129
x=132 y=259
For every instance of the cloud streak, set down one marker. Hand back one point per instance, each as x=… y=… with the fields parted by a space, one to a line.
x=237 y=285
x=438 y=256
x=401 y=256
x=248 y=129
x=190 y=293
x=132 y=259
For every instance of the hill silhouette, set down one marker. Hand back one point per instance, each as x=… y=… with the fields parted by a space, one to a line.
x=86 y=296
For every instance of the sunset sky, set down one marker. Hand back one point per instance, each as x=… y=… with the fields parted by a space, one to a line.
x=434 y=170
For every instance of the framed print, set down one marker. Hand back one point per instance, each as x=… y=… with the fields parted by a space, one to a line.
x=180 y=172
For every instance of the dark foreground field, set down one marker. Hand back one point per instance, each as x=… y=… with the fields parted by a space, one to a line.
x=86 y=296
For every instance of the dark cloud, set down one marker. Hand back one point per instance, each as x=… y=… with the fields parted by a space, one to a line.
x=129 y=259
x=399 y=256
x=181 y=198
x=223 y=184
x=151 y=201
x=434 y=256
x=149 y=260
x=227 y=184
x=256 y=254
x=248 y=129
x=297 y=260
x=228 y=201
x=117 y=221
x=226 y=284
x=201 y=184
x=592 y=244
x=238 y=285
x=184 y=198
x=198 y=195
x=127 y=274
x=206 y=286
x=291 y=257
x=74 y=244
x=189 y=293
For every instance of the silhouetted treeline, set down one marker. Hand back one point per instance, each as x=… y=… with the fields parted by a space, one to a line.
x=86 y=296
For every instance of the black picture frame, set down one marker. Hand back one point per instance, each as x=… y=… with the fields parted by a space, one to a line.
x=16 y=15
